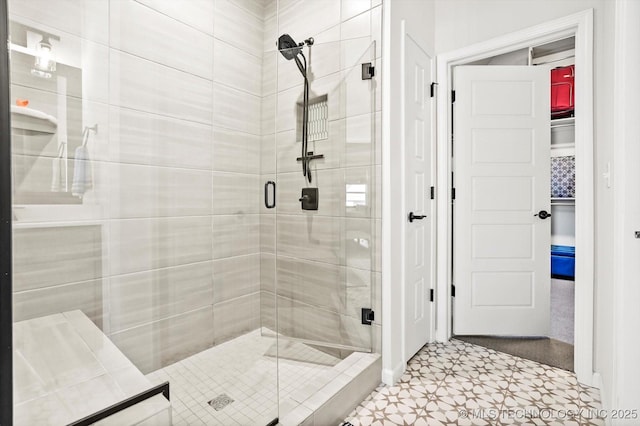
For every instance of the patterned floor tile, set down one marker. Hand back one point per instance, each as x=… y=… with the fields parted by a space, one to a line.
x=458 y=383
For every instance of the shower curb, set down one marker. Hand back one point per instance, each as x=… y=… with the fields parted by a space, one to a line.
x=333 y=402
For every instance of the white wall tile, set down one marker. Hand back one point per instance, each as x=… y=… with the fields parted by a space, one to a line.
x=268 y=233
x=308 y=18
x=235 y=277
x=236 y=151
x=236 y=110
x=358 y=243
x=145 y=32
x=238 y=27
x=237 y=68
x=148 y=296
x=351 y=8
x=317 y=238
x=358 y=26
x=235 y=193
x=196 y=13
x=86 y=296
x=236 y=317
x=137 y=245
x=268 y=154
x=86 y=19
x=95 y=72
x=144 y=85
x=313 y=283
x=158 y=344
x=148 y=191
x=142 y=138
x=49 y=256
x=235 y=235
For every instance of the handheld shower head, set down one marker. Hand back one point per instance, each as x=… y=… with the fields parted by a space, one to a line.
x=288 y=47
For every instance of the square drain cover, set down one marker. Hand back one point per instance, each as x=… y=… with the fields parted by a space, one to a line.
x=220 y=401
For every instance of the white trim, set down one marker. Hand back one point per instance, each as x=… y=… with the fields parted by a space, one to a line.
x=391 y=376
x=580 y=25
x=403 y=178
x=388 y=312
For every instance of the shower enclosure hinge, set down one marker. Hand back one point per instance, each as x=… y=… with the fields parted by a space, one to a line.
x=453 y=290
x=453 y=96
x=368 y=71
x=431 y=295
x=433 y=89
x=367 y=316
x=433 y=192
x=453 y=193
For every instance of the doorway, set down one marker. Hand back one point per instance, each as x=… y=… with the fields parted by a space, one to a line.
x=578 y=26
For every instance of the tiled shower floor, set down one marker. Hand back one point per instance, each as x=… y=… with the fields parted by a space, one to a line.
x=245 y=370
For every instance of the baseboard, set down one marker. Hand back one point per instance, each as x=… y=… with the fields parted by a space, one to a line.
x=391 y=376
x=598 y=383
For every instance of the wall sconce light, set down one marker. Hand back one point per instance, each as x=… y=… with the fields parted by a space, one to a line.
x=45 y=64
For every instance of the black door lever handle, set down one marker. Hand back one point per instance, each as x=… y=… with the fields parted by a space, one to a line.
x=413 y=217
x=543 y=214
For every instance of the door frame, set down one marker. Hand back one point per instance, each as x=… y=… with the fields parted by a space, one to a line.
x=431 y=210
x=6 y=214
x=579 y=25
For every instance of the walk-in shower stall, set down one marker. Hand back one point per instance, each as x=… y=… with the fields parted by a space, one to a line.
x=195 y=206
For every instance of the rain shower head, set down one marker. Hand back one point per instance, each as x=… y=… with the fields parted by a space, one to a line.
x=288 y=47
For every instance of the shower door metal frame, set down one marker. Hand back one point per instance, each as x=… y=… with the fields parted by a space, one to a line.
x=6 y=316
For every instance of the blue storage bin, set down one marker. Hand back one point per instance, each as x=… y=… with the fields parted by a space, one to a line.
x=563 y=262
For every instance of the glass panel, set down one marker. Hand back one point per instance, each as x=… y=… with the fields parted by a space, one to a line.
x=325 y=257
x=137 y=211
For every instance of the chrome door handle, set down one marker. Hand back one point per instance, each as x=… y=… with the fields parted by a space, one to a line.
x=413 y=217
x=543 y=214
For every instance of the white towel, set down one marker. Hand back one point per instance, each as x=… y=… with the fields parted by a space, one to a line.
x=57 y=175
x=82 y=181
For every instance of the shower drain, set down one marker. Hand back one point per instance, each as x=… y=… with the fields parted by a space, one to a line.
x=220 y=401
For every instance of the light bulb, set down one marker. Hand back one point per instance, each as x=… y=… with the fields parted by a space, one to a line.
x=45 y=63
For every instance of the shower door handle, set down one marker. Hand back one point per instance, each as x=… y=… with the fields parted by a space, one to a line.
x=266 y=194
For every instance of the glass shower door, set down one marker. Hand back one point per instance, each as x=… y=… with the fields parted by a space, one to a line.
x=325 y=227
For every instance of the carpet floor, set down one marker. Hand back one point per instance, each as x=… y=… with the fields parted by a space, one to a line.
x=543 y=350
x=555 y=350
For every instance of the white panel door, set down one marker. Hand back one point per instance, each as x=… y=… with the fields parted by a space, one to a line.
x=502 y=160
x=417 y=182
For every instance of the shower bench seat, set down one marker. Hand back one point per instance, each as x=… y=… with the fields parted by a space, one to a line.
x=66 y=369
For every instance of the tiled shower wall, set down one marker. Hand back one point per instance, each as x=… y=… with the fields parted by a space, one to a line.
x=172 y=251
x=326 y=262
x=164 y=251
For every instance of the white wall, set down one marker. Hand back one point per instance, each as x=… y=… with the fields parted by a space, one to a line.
x=419 y=20
x=463 y=22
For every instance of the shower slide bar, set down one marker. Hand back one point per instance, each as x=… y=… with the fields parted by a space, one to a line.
x=292 y=50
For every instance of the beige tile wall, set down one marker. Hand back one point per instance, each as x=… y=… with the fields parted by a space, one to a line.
x=164 y=252
x=172 y=250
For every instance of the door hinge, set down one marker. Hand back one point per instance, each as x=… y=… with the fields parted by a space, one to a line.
x=453 y=290
x=431 y=295
x=453 y=193
x=368 y=71
x=433 y=192
x=367 y=316
x=433 y=89
x=453 y=96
